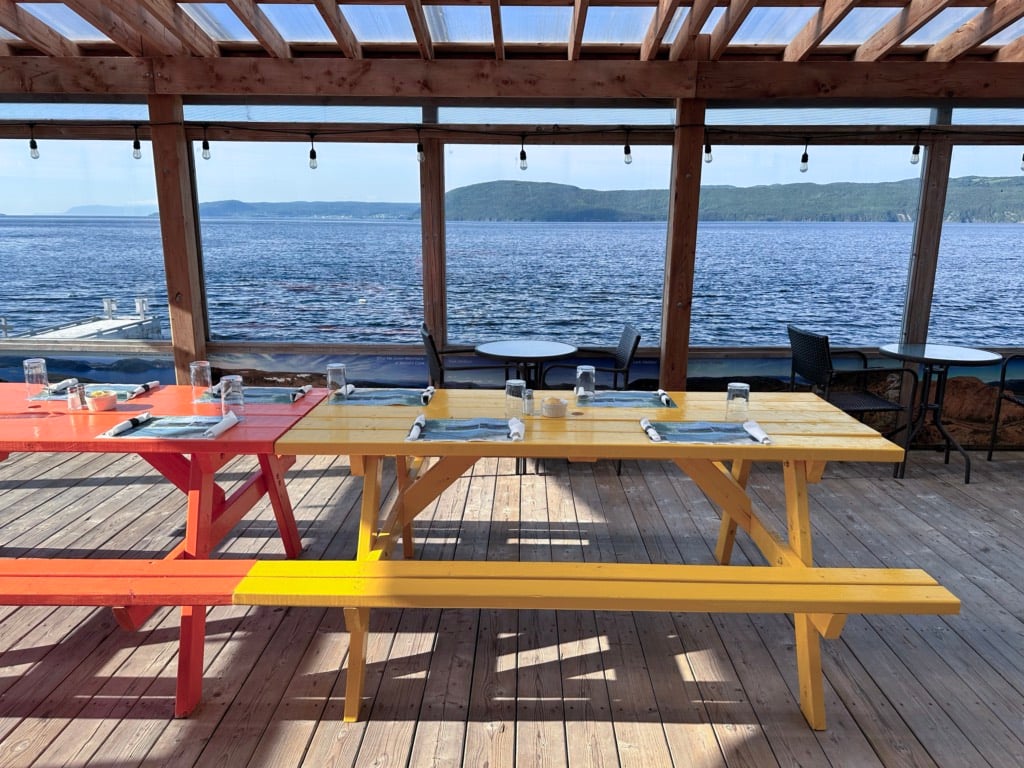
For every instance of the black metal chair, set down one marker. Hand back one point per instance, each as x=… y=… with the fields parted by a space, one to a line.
x=438 y=362
x=1008 y=393
x=622 y=358
x=812 y=362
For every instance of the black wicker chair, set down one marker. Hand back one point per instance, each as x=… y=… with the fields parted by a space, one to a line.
x=812 y=362
x=1010 y=395
x=438 y=362
x=622 y=358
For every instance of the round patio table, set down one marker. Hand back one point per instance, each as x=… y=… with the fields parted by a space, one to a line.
x=526 y=354
x=935 y=361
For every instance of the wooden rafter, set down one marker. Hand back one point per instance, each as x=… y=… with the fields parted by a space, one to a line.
x=340 y=28
x=165 y=18
x=903 y=25
x=155 y=35
x=735 y=14
x=256 y=21
x=685 y=44
x=104 y=19
x=29 y=28
x=579 y=22
x=418 y=20
x=817 y=29
x=660 y=22
x=990 y=21
x=1012 y=52
x=496 y=28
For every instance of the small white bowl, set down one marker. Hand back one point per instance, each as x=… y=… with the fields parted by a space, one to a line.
x=554 y=407
x=101 y=400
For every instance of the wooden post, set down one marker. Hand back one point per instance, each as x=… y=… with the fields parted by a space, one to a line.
x=175 y=190
x=681 y=248
x=927 y=235
x=435 y=273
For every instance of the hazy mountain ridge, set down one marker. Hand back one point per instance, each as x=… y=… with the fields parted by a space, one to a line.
x=969 y=199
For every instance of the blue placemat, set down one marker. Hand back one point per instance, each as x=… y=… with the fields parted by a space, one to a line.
x=626 y=399
x=466 y=429
x=122 y=391
x=169 y=427
x=382 y=397
x=256 y=395
x=702 y=432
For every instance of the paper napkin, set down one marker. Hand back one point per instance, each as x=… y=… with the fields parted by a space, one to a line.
x=222 y=426
x=124 y=426
x=417 y=428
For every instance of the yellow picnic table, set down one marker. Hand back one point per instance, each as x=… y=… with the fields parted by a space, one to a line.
x=805 y=433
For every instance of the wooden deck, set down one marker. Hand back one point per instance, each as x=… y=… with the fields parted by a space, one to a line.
x=501 y=688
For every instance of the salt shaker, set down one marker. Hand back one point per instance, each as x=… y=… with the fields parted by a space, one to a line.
x=76 y=397
x=528 y=402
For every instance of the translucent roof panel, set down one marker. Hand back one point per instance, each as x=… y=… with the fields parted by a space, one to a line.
x=535 y=24
x=6 y=35
x=772 y=26
x=1008 y=35
x=840 y=116
x=77 y=112
x=459 y=23
x=860 y=24
x=675 y=24
x=298 y=23
x=219 y=22
x=616 y=24
x=942 y=25
x=279 y=113
x=65 y=21
x=379 y=23
x=541 y=116
x=988 y=116
x=712 y=21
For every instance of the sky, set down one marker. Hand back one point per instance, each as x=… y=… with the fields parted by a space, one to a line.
x=72 y=173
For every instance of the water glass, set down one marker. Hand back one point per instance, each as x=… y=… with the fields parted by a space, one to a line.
x=232 y=396
x=36 y=381
x=201 y=377
x=336 y=383
x=737 y=401
x=586 y=382
x=515 y=390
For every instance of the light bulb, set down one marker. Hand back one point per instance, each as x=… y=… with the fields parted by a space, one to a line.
x=627 y=154
x=915 y=155
x=421 y=156
x=137 y=149
x=707 y=152
x=33 y=149
x=312 y=158
x=522 y=159
x=804 y=162
x=206 y=149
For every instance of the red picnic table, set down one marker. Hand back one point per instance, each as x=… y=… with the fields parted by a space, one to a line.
x=189 y=462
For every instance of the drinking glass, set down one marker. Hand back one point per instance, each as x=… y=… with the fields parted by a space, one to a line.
x=232 y=396
x=36 y=381
x=336 y=383
x=201 y=377
x=586 y=382
x=515 y=389
x=737 y=401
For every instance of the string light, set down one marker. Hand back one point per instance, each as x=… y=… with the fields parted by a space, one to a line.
x=915 y=154
x=312 y=152
x=627 y=151
x=707 y=151
x=137 y=145
x=421 y=156
x=804 y=159
x=522 y=155
x=33 y=147
x=206 y=145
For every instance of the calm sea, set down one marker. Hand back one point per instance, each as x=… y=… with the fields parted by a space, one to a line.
x=347 y=281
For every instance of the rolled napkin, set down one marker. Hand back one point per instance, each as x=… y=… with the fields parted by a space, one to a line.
x=756 y=432
x=665 y=399
x=142 y=389
x=222 y=426
x=516 y=429
x=646 y=426
x=427 y=394
x=61 y=386
x=215 y=390
x=345 y=391
x=300 y=392
x=124 y=426
x=417 y=428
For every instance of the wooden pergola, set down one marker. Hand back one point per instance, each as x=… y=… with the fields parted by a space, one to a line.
x=690 y=56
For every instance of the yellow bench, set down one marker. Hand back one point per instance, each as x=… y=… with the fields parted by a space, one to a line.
x=824 y=595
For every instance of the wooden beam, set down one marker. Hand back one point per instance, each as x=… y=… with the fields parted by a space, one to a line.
x=681 y=246
x=418 y=20
x=656 y=30
x=256 y=21
x=817 y=29
x=991 y=21
x=899 y=28
x=432 y=222
x=339 y=26
x=735 y=14
x=167 y=18
x=496 y=30
x=685 y=44
x=175 y=189
x=153 y=33
x=1012 y=52
x=29 y=28
x=579 y=22
x=104 y=19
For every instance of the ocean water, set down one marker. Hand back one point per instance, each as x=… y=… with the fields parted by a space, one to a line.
x=361 y=281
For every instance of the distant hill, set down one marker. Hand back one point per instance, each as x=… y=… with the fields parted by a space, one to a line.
x=326 y=210
x=111 y=210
